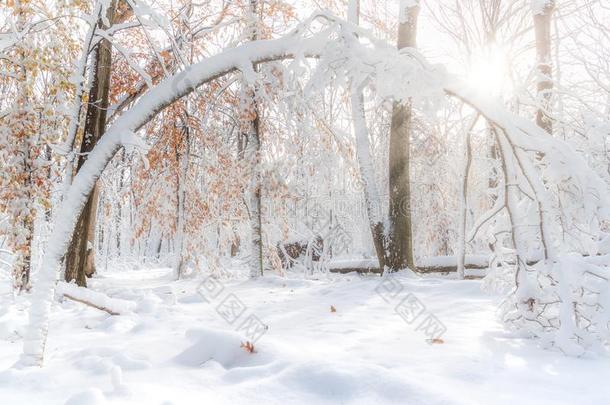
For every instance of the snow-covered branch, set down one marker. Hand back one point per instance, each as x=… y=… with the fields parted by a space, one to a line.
x=396 y=75
x=113 y=306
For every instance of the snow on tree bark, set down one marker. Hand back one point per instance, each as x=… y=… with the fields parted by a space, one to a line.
x=543 y=13
x=81 y=253
x=372 y=197
x=400 y=233
x=461 y=254
x=253 y=155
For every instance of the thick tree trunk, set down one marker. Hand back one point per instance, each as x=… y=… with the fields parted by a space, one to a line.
x=544 y=82
x=400 y=236
x=80 y=255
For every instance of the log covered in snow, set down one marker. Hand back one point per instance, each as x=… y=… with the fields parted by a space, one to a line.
x=436 y=264
x=95 y=299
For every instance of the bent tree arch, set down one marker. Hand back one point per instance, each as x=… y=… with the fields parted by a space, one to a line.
x=363 y=59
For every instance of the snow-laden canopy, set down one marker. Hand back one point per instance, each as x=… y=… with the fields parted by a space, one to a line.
x=533 y=161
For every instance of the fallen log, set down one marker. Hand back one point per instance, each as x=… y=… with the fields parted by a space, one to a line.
x=360 y=270
x=108 y=310
x=95 y=299
x=446 y=269
x=423 y=270
x=437 y=264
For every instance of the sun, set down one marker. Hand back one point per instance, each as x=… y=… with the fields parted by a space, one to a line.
x=488 y=72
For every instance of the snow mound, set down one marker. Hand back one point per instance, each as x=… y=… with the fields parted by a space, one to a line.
x=117 y=324
x=193 y=298
x=149 y=304
x=323 y=380
x=92 y=396
x=102 y=360
x=12 y=323
x=273 y=280
x=220 y=346
x=352 y=382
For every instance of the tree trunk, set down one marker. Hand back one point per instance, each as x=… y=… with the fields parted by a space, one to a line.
x=23 y=225
x=461 y=251
x=544 y=82
x=400 y=236
x=80 y=255
x=183 y=163
x=253 y=154
x=365 y=162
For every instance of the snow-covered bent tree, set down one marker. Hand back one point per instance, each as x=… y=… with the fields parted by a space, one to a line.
x=345 y=53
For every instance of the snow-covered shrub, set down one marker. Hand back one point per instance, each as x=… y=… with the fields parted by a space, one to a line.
x=549 y=249
x=565 y=303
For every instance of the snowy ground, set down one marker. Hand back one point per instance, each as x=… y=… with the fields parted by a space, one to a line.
x=176 y=349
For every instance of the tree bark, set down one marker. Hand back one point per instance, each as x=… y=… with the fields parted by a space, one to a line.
x=363 y=154
x=400 y=236
x=461 y=254
x=254 y=146
x=80 y=256
x=544 y=82
x=23 y=225
x=253 y=154
x=183 y=162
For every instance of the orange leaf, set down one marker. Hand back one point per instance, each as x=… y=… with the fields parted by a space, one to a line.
x=249 y=347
